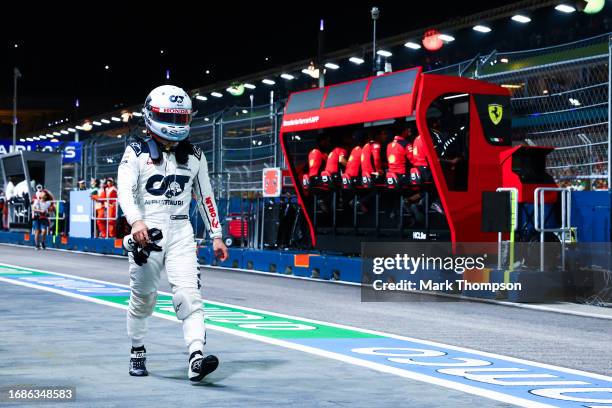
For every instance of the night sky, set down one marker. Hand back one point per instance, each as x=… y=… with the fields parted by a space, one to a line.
x=62 y=54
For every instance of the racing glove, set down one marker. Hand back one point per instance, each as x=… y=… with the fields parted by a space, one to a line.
x=141 y=254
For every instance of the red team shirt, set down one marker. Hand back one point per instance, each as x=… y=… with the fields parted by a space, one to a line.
x=399 y=153
x=354 y=163
x=370 y=159
x=316 y=160
x=418 y=152
x=333 y=160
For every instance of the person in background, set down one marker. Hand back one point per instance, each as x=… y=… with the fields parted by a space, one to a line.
x=3 y=210
x=100 y=209
x=94 y=184
x=41 y=207
x=110 y=192
x=337 y=159
x=399 y=153
x=352 y=171
x=10 y=188
x=81 y=186
x=317 y=156
x=371 y=163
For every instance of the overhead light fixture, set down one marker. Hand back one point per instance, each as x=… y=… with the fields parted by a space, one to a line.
x=54 y=140
x=216 y=94
x=504 y=60
x=249 y=86
x=42 y=137
x=512 y=86
x=268 y=81
x=412 y=45
x=384 y=53
x=519 y=18
x=206 y=119
x=105 y=121
x=201 y=98
x=482 y=28
x=564 y=8
x=446 y=38
x=71 y=130
x=245 y=111
x=49 y=135
x=29 y=139
x=119 y=136
x=357 y=60
x=116 y=119
x=64 y=132
x=95 y=122
x=331 y=65
x=36 y=138
x=22 y=140
x=80 y=127
x=288 y=77
x=57 y=134
x=138 y=114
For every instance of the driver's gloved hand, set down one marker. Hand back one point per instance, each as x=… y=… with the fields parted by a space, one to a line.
x=142 y=254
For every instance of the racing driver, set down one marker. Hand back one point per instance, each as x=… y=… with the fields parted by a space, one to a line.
x=157 y=176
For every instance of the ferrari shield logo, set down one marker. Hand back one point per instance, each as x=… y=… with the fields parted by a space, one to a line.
x=496 y=113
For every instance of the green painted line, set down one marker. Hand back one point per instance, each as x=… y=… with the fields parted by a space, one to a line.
x=262 y=324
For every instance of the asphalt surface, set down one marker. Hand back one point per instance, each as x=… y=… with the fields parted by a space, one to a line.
x=50 y=339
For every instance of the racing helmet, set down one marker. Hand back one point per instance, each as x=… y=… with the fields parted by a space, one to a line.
x=167 y=113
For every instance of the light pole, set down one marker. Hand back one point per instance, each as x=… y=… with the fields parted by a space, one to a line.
x=321 y=48
x=375 y=15
x=16 y=76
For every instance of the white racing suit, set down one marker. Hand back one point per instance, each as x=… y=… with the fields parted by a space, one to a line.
x=160 y=195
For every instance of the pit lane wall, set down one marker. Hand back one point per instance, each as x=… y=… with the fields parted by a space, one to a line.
x=590 y=213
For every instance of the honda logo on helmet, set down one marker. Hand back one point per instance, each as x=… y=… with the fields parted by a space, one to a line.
x=176 y=98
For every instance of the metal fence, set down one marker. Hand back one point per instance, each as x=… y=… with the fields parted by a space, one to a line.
x=560 y=98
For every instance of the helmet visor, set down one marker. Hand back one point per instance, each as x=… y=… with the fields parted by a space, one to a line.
x=179 y=117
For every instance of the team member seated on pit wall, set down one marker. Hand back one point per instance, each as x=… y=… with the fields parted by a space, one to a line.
x=400 y=156
x=316 y=162
x=372 y=172
x=41 y=208
x=352 y=173
x=336 y=162
x=157 y=177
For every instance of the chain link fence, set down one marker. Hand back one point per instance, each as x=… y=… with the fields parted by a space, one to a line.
x=560 y=99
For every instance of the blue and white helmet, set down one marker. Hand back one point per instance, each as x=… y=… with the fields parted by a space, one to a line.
x=167 y=113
